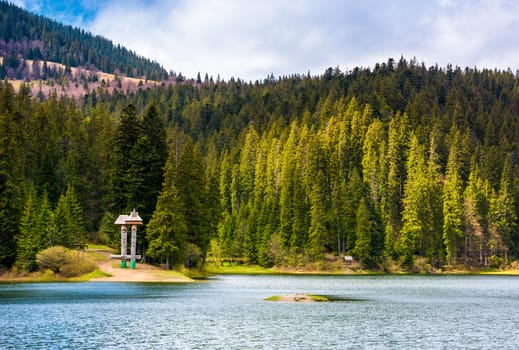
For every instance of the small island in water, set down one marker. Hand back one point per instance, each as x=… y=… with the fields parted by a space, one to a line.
x=309 y=298
x=296 y=298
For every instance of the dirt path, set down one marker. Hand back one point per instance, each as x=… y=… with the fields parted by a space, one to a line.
x=142 y=273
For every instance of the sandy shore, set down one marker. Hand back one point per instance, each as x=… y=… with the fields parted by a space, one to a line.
x=142 y=273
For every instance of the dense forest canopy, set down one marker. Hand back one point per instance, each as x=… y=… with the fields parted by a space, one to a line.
x=397 y=165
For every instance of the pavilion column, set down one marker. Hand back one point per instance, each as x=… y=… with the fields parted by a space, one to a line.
x=133 y=248
x=124 y=239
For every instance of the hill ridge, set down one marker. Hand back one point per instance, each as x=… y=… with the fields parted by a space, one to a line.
x=30 y=36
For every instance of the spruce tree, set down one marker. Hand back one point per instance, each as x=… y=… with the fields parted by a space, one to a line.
x=373 y=162
x=477 y=198
x=433 y=218
x=226 y=227
x=190 y=180
x=124 y=140
x=503 y=217
x=364 y=231
x=151 y=158
x=8 y=221
x=392 y=198
x=453 y=204
x=354 y=193
x=70 y=221
x=36 y=219
x=11 y=176
x=414 y=197
x=318 y=230
x=167 y=230
x=288 y=182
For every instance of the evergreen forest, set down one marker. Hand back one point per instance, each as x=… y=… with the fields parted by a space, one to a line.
x=398 y=164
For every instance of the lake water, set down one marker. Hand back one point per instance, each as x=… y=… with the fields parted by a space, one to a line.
x=228 y=312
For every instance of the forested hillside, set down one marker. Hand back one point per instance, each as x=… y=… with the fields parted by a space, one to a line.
x=398 y=164
x=25 y=36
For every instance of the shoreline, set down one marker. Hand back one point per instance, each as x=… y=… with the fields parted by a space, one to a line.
x=105 y=272
x=164 y=276
x=110 y=271
x=257 y=270
x=142 y=273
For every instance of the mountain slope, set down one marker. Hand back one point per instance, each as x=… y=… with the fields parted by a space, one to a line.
x=29 y=36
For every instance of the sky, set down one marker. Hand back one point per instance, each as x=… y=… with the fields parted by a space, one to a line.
x=251 y=39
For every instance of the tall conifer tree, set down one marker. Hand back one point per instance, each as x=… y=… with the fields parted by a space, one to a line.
x=167 y=230
x=453 y=205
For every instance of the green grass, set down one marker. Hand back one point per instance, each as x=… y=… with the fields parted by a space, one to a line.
x=99 y=247
x=318 y=297
x=498 y=272
x=241 y=269
x=97 y=256
x=172 y=274
x=244 y=269
x=48 y=276
x=89 y=276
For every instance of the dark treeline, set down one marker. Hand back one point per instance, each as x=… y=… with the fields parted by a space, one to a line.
x=33 y=37
x=396 y=165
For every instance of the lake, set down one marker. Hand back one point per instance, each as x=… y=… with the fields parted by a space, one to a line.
x=228 y=312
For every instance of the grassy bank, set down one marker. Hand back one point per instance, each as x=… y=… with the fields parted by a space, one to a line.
x=47 y=276
x=105 y=270
x=229 y=268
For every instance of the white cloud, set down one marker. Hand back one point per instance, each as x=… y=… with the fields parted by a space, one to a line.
x=231 y=38
x=475 y=34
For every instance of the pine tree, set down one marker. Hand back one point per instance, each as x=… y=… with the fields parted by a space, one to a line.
x=339 y=213
x=226 y=226
x=167 y=230
x=47 y=179
x=11 y=176
x=477 y=204
x=45 y=223
x=318 y=231
x=392 y=198
x=503 y=217
x=213 y=205
x=190 y=180
x=373 y=162
x=246 y=179
x=35 y=220
x=151 y=158
x=266 y=198
x=124 y=140
x=433 y=218
x=70 y=221
x=355 y=190
x=414 y=197
x=364 y=231
x=288 y=182
x=453 y=204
